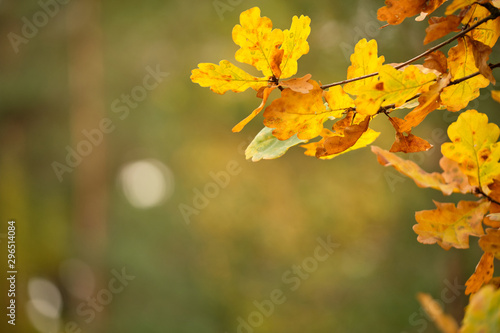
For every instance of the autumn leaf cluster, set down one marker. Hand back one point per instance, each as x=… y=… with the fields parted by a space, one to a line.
x=372 y=87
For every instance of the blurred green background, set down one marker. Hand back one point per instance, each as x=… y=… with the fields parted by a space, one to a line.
x=118 y=210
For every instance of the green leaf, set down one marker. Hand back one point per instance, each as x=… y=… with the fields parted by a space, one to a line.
x=266 y=146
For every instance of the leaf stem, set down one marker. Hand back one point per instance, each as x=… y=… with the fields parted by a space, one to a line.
x=432 y=49
x=478 y=190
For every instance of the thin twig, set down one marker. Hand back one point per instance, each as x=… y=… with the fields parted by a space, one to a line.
x=478 y=190
x=432 y=49
x=465 y=78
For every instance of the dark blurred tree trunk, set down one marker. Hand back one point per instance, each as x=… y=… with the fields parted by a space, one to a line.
x=85 y=70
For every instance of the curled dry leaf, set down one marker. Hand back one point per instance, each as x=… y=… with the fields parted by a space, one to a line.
x=409 y=144
x=437 y=61
x=440 y=27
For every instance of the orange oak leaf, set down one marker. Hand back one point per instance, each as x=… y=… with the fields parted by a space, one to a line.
x=440 y=27
x=491 y=242
x=437 y=61
x=265 y=95
x=298 y=113
x=445 y=323
x=312 y=148
x=393 y=87
x=474 y=147
x=482 y=274
x=346 y=135
x=428 y=102
x=451 y=226
x=364 y=60
x=409 y=144
x=481 y=54
x=461 y=63
x=395 y=11
x=408 y=168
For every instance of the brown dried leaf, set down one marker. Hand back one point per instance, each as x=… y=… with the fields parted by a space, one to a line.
x=299 y=85
x=349 y=135
x=440 y=27
x=437 y=61
x=409 y=144
x=481 y=55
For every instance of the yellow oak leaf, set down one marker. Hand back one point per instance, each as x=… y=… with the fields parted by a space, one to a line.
x=393 y=87
x=482 y=274
x=474 y=147
x=488 y=32
x=298 y=113
x=483 y=312
x=224 y=77
x=451 y=226
x=410 y=169
x=295 y=44
x=364 y=60
x=257 y=40
x=461 y=63
x=272 y=51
